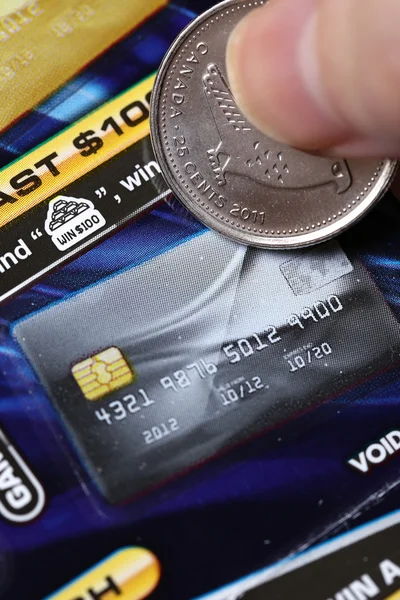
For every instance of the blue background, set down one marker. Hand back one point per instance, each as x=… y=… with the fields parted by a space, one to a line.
x=266 y=499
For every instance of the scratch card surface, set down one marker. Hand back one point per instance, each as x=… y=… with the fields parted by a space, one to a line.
x=224 y=346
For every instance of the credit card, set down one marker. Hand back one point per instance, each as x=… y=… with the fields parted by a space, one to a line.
x=44 y=43
x=212 y=343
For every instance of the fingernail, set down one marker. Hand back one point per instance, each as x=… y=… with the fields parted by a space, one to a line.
x=309 y=65
x=274 y=73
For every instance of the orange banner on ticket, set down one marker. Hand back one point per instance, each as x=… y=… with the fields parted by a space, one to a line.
x=129 y=574
x=75 y=151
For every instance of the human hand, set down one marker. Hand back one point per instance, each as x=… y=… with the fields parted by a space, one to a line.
x=322 y=75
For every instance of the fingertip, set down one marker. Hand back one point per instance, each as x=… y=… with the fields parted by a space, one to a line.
x=300 y=75
x=272 y=72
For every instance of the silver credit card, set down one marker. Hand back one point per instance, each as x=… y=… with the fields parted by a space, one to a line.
x=167 y=364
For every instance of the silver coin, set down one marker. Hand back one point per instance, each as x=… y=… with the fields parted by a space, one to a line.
x=234 y=178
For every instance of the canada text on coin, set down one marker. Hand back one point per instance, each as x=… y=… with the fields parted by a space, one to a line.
x=231 y=176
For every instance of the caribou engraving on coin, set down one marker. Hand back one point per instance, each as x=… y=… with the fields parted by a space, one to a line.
x=261 y=159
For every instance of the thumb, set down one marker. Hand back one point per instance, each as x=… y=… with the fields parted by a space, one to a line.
x=321 y=74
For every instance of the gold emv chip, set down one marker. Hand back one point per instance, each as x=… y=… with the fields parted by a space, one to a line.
x=103 y=373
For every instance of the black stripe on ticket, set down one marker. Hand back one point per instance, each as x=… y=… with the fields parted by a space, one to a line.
x=79 y=216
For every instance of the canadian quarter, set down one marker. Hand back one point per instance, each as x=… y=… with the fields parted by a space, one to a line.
x=232 y=177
